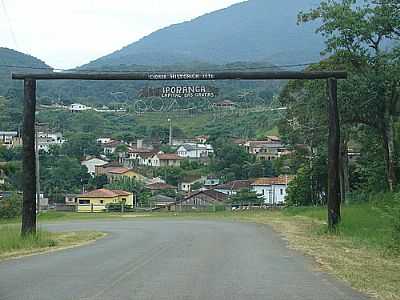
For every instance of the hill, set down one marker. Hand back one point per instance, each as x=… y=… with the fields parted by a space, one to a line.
x=254 y=30
x=9 y=62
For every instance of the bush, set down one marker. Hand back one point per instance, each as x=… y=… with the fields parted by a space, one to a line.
x=117 y=207
x=11 y=207
x=389 y=204
x=396 y=225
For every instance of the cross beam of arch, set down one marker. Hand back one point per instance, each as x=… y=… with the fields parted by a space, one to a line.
x=28 y=134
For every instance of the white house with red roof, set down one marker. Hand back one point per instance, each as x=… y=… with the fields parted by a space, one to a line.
x=273 y=189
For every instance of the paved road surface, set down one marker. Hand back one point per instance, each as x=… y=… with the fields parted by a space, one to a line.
x=167 y=259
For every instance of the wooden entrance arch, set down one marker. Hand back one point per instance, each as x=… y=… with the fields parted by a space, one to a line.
x=28 y=134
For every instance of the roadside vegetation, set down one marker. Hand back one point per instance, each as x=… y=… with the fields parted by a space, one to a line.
x=13 y=245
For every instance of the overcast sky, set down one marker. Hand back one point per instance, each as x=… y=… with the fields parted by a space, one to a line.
x=68 y=33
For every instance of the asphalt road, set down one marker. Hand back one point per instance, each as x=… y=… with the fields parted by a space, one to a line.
x=167 y=259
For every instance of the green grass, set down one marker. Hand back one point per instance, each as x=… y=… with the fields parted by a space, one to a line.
x=368 y=223
x=11 y=240
x=12 y=244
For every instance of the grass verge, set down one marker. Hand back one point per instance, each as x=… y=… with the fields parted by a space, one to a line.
x=358 y=253
x=12 y=245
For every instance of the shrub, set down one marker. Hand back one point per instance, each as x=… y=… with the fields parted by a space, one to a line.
x=391 y=210
x=11 y=207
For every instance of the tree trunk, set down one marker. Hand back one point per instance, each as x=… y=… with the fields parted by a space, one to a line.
x=389 y=151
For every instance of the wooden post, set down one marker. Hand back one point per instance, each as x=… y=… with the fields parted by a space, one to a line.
x=333 y=156
x=29 y=156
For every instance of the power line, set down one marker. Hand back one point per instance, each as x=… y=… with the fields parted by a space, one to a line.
x=161 y=71
x=28 y=67
x=3 y=4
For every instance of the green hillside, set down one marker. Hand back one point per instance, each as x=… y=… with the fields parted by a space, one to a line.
x=14 y=61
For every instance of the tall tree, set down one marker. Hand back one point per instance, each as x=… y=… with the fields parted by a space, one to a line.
x=361 y=35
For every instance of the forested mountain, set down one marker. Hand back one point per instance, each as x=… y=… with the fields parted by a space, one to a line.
x=103 y=92
x=9 y=62
x=254 y=30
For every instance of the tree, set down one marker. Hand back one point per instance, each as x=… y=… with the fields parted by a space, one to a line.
x=80 y=144
x=357 y=34
x=231 y=159
x=172 y=175
x=62 y=175
x=247 y=197
x=134 y=186
x=11 y=206
x=97 y=182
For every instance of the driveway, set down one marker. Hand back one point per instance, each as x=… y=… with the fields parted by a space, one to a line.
x=171 y=259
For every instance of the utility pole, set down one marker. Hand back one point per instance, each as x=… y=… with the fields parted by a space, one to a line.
x=37 y=163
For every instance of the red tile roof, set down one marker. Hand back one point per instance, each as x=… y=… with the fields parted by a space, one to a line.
x=116 y=170
x=169 y=156
x=160 y=186
x=104 y=193
x=235 y=185
x=273 y=180
x=140 y=150
x=113 y=144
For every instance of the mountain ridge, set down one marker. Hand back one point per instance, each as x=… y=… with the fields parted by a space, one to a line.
x=212 y=38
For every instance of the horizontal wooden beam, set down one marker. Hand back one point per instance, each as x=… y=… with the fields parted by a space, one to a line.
x=278 y=75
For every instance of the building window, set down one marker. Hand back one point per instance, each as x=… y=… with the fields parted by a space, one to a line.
x=101 y=201
x=84 y=201
x=281 y=192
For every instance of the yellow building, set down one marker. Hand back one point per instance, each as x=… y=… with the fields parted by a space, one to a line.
x=116 y=173
x=96 y=201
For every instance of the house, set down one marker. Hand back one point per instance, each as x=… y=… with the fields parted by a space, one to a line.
x=225 y=104
x=161 y=202
x=202 y=139
x=71 y=199
x=273 y=138
x=2 y=177
x=136 y=157
x=195 y=151
x=211 y=181
x=10 y=139
x=91 y=162
x=103 y=140
x=110 y=147
x=160 y=186
x=201 y=200
x=144 y=159
x=189 y=181
x=46 y=140
x=117 y=173
x=273 y=190
x=166 y=160
x=233 y=187
x=155 y=180
x=97 y=200
x=77 y=107
x=266 y=150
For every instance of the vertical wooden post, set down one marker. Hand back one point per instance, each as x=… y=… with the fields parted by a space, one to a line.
x=333 y=156
x=29 y=156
